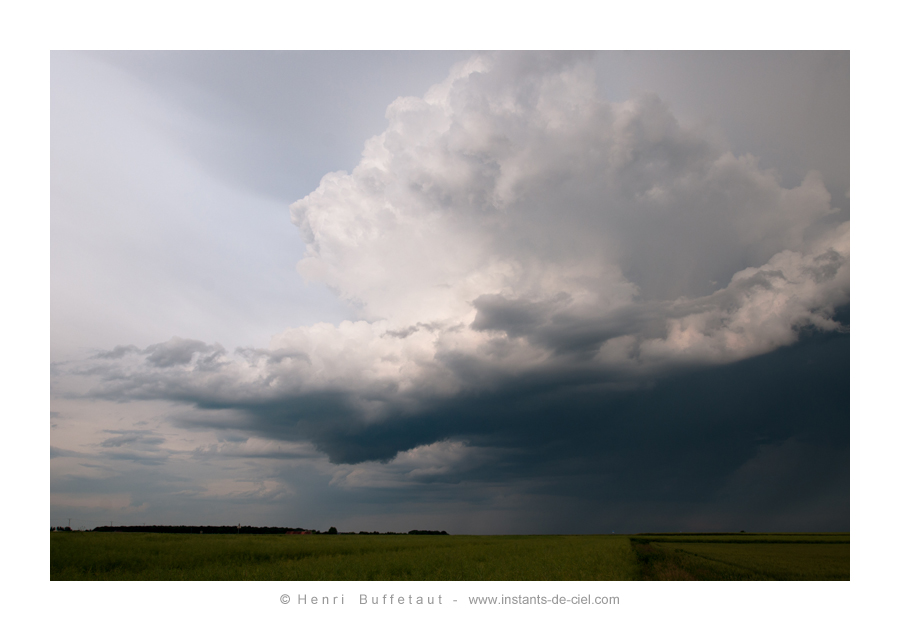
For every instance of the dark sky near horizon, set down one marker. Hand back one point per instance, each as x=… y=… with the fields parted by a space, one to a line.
x=481 y=293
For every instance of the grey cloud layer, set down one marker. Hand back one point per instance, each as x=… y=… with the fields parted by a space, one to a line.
x=527 y=256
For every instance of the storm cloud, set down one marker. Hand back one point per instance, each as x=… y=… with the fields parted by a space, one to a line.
x=586 y=300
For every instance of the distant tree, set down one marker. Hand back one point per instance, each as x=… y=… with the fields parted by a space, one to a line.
x=332 y=531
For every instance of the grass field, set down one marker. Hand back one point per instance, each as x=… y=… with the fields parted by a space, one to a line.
x=139 y=556
x=172 y=557
x=758 y=557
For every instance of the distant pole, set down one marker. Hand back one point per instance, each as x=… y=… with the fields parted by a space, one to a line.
x=70 y=523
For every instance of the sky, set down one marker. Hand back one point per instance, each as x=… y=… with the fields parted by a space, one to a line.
x=485 y=293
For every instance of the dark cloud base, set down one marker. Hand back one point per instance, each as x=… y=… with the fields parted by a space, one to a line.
x=761 y=444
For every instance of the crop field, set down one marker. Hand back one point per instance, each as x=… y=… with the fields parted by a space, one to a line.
x=196 y=557
x=168 y=557
x=759 y=557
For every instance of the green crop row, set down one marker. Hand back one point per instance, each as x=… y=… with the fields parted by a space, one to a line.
x=133 y=556
x=752 y=561
x=168 y=557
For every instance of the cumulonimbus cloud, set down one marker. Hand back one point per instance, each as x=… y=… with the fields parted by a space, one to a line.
x=512 y=222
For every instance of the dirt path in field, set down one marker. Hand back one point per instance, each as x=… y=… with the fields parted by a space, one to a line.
x=660 y=565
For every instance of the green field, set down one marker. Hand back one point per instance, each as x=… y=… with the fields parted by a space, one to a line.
x=139 y=556
x=755 y=557
x=172 y=557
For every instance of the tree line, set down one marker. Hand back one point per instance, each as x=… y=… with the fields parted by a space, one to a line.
x=210 y=530
x=248 y=530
